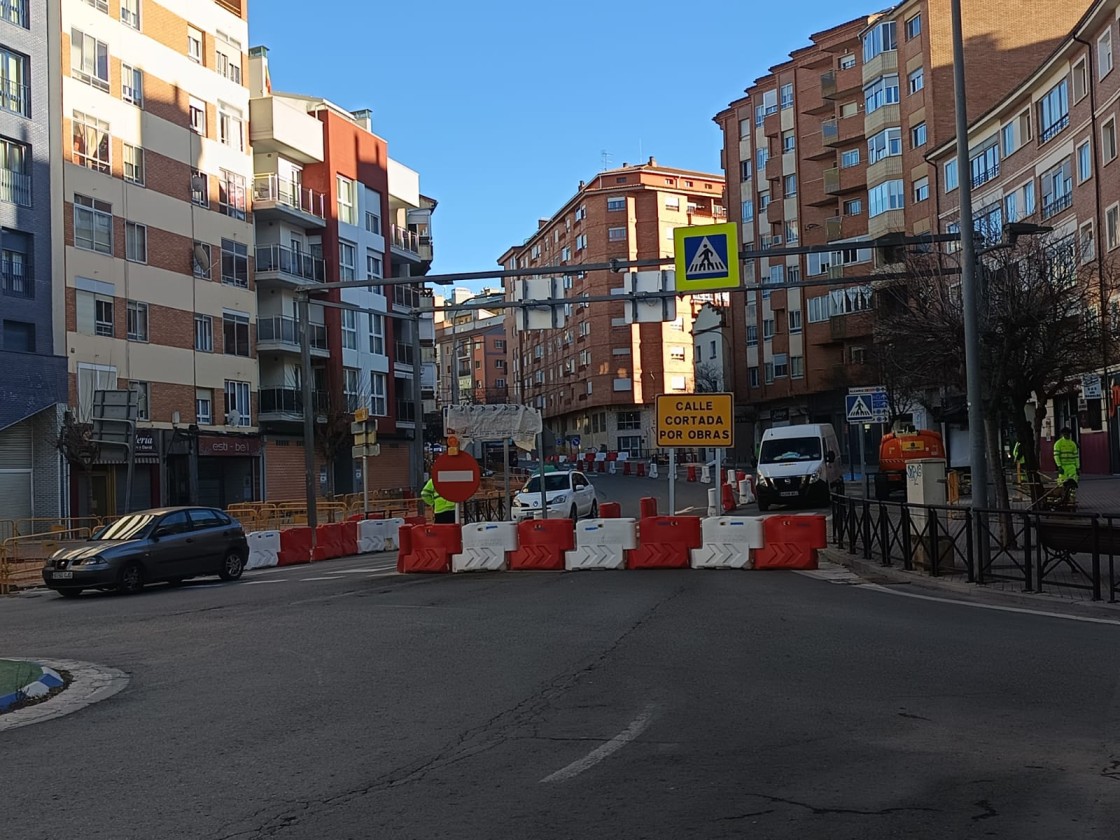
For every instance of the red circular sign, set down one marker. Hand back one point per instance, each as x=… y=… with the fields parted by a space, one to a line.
x=456 y=477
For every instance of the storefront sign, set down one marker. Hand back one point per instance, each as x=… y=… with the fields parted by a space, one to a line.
x=229 y=447
x=145 y=443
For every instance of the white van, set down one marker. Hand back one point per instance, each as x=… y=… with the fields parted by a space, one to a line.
x=798 y=464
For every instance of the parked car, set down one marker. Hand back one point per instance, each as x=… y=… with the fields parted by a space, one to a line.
x=164 y=544
x=568 y=494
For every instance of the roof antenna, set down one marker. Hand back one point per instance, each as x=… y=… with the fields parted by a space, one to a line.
x=607 y=158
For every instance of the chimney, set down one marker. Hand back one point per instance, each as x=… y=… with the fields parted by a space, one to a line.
x=258 y=72
x=652 y=160
x=541 y=223
x=582 y=184
x=364 y=118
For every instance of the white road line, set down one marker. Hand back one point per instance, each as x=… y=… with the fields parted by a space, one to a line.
x=361 y=571
x=273 y=580
x=305 y=580
x=636 y=728
x=996 y=607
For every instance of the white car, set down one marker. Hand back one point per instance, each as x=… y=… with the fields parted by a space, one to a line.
x=568 y=494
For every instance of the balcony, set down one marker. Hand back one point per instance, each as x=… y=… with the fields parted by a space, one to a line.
x=774 y=168
x=981 y=178
x=407 y=297
x=1057 y=205
x=281 y=200
x=840 y=180
x=404 y=354
x=280 y=334
x=275 y=127
x=776 y=211
x=15 y=188
x=841 y=132
x=813 y=146
x=278 y=263
x=834 y=228
x=17 y=278
x=845 y=327
x=406 y=411
x=411 y=244
x=280 y=404
x=836 y=84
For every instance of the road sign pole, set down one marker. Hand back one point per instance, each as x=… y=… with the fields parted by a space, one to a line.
x=863 y=457
x=458 y=514
x=672 y=482
x=365 y=485
x=540 y=475
x=505 y=461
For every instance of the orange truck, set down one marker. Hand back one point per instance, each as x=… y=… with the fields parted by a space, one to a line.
x=896 y=449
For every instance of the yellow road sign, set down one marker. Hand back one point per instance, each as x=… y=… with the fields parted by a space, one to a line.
x=707 y=257
x=691 y=420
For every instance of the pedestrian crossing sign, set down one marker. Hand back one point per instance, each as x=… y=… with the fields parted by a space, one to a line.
x=707 y=257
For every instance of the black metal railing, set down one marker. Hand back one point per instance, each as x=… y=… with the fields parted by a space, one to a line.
x=1037 y=549
x=491 y=509
x=1057 y=205
x=289 y=401
x=283 y=330
x=1054 y=129
x=982 y=177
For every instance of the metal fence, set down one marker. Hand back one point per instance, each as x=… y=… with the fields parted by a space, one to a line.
x=1038 y=550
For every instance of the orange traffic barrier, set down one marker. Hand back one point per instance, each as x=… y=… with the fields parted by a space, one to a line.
x=665 y=542
x=348 y=538
x=647 y=507
x=295 y=546
x=641 y=468
x=429 y=548
x=626 y=468
x=602 y=466
x=692 y=472
x=791 y=542
x=610 y=510
x=542 y=544
x=328 y=543
x=728 y=498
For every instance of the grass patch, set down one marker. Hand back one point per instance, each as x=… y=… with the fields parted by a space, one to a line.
x=15 y=675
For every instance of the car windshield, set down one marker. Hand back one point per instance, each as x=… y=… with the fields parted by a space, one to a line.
x=556 y=481
x=126 y=528
x=790 y=449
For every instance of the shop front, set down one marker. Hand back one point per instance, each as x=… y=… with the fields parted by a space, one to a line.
x=229 y=470
x=100 y=489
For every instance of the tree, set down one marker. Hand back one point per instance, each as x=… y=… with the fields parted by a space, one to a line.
x=1040 y=330
x=708 y=379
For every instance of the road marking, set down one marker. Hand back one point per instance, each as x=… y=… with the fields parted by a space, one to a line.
x=996 y=607
x=305 y=580
x=604 y=751
x=360 y=571
x=274 y=580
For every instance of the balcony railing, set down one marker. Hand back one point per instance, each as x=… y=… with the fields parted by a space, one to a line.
x=406 y=411
x=830 y=131
x=15 y=188
x=293 y=263
x=17 y=277
x=1053 y=130
x=290 y=401
x=407 y=296
x=406 y=240
x=286 y=331
x=1057 y=205
x=979 y=178
x=273 y=188
x=404 y=353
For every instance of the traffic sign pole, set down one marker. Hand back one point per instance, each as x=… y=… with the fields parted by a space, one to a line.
x=672 y=482
x=863 y=456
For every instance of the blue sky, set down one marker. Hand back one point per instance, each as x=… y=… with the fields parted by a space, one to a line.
x=503 y=107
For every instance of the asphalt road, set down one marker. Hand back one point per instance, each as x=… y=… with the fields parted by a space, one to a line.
x=342 y=701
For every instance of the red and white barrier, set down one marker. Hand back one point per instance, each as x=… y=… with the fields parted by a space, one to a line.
x=602 y=544
x=728 y=542
x=264 y=549
x=484 y=547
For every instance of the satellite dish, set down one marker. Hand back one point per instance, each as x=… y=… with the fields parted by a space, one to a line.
x=198 y=183
x=233 y=418
x=201 y=259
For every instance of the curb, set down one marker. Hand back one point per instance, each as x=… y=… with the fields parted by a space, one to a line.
x=873 y=572
x=89 y=684
x=47 y=681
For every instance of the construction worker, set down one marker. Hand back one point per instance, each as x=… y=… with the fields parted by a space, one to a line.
x=1067 y=459
x=444 y=510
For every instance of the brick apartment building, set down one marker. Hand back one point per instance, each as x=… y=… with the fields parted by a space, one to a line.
x=1046 y=153
x=831 y=147
x=471 y=351
x=596 y=377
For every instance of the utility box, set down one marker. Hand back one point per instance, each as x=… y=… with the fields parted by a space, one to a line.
x=926 y=486
x=925 y=481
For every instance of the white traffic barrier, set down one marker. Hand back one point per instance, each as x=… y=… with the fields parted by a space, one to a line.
x=746 y=491
x=484 y=547
x=713 y=501
x=728 y=542
x=376 y=535
x=602 y=544
x=392 y=530
x=705 y=474
x=653 y=469
x=264 y=549
x=612 y=467
x=731 y=477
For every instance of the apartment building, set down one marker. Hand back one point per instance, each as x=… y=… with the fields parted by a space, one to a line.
x=155 y=265
x=1046 y=153
x=471 y=350
x=32 y=364
x=331 y=205
x=596 y=377
x=831 y=147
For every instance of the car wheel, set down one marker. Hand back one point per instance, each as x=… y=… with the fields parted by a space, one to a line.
x=574 y=514
x=232 y=566
x=131 y=580
x=69 y=593
x=595 y=509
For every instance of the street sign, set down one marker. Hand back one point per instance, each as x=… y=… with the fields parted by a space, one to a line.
x=690 y=420
x=707 y=257
x=575 y=440
x=1091 y=386
x=368 y=450
x=867 y=405
x=649 y=310
x=456 y=477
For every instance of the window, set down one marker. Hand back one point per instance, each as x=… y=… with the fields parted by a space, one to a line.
x=231 y=127
x=202 y=260
x=135 y=242
x=882 y=91
x=347 y=257
x=752 y=335
x=376 y=334
x=350 y=388
x=1112 y=226
x=767 y=328
x=130 y=13
x=792 y=234
x=787 y=96
x=346 y=208
x=616 y=234
x=913 y=27
x=1053 y=112
x=19 y=336
x=789 y=187
x=921 y=190
x=1057 y=190
x=565 y=253
x=378 y=401
x=918 y=136
x=198 y=116
x=349 y=329
x=1080 y=80
x=676 y=353
x=581 y=213
x=94 y=312
x=917 y=80
x=93 y=224
x=235 y=263
x=853 y=207
x=746 y=172
x=89 y=60
x=752 y=376
x=879 y=39
x=777 y=275
x=748 y=210
x=744 y=133
x=849 y=158
x=794 y=321
x=374 y=266
x=763 y=201
x=1104 y=53
x=373 y=223
x=770 y=102
x=91 y=143
x=629 y=421
x=673 y=202
x=768 y=372
x=229 y=62
x=15 y=182
x=581 y=241
x=789 y=141
x=15 y=269
x=134 y=164
x=194 y=45
x=847 y=62
x=1084 y=156
x=781 y=365
x=15 y=11
x=143 y=398
x=204 y=333
x=1088 y=245
x=204 y=406
x=614 y=204
x=1108 y=141
x=884 y=198
x=235 y=332
x=951 y=176
x=797 y=367
x=887 y=143
x=984 y=166
x=137 y=321
x=238 y=407
x=231 y=194
x=132 y=85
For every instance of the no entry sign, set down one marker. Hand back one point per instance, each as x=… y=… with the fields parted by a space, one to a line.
x=456 y=477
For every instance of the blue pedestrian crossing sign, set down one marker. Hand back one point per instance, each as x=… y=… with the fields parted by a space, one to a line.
x=707 y=257
x=867 y=405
